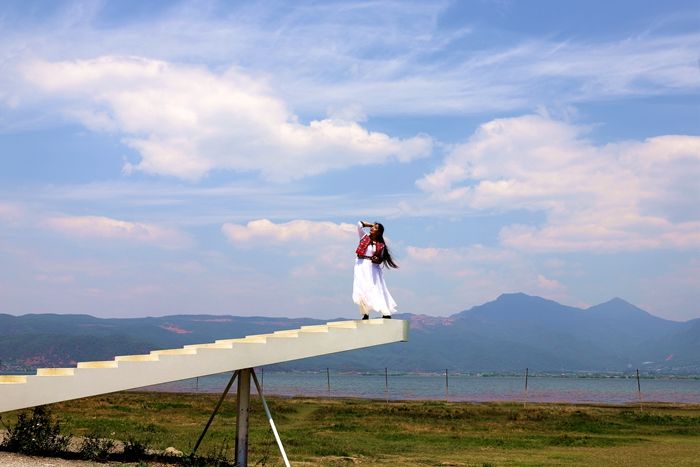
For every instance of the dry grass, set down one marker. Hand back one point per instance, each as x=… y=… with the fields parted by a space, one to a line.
x=345 y=432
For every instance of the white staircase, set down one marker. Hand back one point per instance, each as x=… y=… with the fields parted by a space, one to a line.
x=161 y=366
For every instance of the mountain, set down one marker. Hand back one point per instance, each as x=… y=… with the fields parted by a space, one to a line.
x=508 y=334
x=31 y=341
x=677 y=351
x=518 y=330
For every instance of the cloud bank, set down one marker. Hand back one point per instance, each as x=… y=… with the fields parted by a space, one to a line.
x=629 y=195
x=105 y=228
x=11 y=212
x=292 y=232
x=386 y=58
x=186 y=121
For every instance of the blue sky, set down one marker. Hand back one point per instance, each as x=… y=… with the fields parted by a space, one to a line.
x=213 y=157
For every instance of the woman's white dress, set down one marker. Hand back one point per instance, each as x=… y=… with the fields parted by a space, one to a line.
x=369 y=290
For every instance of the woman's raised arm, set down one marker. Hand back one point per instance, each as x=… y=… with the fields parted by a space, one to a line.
x=360 y=232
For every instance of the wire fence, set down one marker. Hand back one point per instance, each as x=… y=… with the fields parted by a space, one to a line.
x=527 y=387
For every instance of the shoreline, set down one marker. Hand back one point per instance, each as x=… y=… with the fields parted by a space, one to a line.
x=520 y=403
x=457 y=388
x=451 y=400
x=399 y=373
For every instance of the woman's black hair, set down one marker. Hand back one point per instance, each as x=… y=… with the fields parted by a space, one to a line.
x=387 y=260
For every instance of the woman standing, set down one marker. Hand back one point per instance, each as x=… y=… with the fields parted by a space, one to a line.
x=369 y=290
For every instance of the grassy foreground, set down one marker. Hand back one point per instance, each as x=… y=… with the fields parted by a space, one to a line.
x=349 y=431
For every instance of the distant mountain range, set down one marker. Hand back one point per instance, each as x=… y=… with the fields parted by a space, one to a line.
x=511 y=333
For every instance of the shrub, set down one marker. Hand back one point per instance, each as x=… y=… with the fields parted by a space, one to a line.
x=96 y=449
x=134 y=449
x=36 y=434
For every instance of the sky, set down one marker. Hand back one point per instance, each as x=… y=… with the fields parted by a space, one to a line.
x=212 y=157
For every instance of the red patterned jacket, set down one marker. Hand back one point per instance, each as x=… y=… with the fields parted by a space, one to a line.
x=378 y=249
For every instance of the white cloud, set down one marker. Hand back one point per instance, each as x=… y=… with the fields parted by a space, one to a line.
x=623 y=196
x=100 y=227
x=473 y=254
x=545 y=283
x=11 y=212
x=186 y=121
x=384 y=58
x=424 y=254
x=292 y=232
x=55 y=279
x=321 y=250
x=675 y=292
x=514 y=76
x=475 y=274
x=313 y=261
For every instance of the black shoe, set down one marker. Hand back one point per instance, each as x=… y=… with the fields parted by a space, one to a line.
x=386 y=316
x=365 y=316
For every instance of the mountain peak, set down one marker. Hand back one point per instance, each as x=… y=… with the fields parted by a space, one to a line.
x=622 y=309
x=517 y=297
x=516 y=305
x=617 y=301
x=512 y=295
x=520 y=298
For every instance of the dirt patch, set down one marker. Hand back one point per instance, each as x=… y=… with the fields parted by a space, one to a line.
x=11 y=459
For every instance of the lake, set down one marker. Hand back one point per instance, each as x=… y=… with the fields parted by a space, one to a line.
x=475 y=388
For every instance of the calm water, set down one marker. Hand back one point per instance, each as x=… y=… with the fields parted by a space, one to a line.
x=460 y=387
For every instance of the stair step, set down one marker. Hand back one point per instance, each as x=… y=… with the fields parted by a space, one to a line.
x=12 y=379
x=137 y=358
x=237 y=340
x=292 y=333
x=314 y=328
x=373 y=321
x=213 y=345
x=282 y=334
x=175 y=352
x=342 y=324
x=103 y=364
x=55 y=371
x=254 y=340
x=243 y=340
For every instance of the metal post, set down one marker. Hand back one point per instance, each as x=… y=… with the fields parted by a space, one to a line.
x=243 y=407
x=328 y=380
x=639 y=391
x=386 y=384
x=216 y=409
x=447 y=386
x=526 y=375
x=272 y=422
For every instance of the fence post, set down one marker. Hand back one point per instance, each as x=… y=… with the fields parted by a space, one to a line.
x=639 y=392
x=526 y=395
x=386 y=384
x=447 y=386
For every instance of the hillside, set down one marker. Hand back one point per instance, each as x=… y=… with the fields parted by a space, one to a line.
x=505 y=335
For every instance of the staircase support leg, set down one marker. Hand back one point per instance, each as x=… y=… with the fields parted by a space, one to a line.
x=272 y=422
x=216 y=410
x=243 y=407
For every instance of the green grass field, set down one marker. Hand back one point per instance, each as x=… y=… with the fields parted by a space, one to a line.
x=353 y=431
